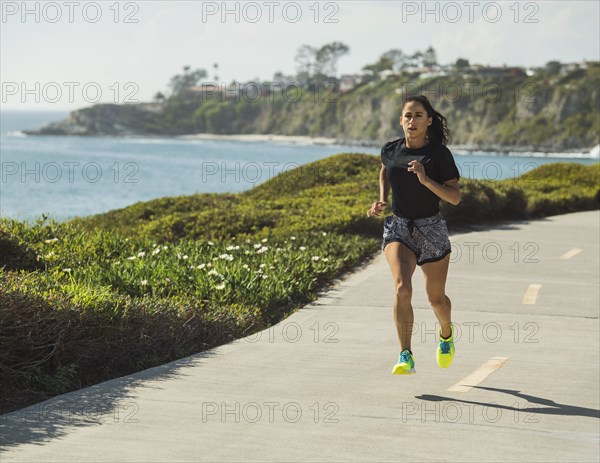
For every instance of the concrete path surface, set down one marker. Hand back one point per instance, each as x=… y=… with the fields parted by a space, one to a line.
x=524 y=385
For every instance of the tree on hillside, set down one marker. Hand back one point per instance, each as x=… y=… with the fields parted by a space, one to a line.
x=383 y=64
x=398 y=58
x=328 y=56
x=553 y=67
x=416 y=59
x=180 y=82
x=319 y=62
x=306 y=58
x=461 y=63
x=429 y=58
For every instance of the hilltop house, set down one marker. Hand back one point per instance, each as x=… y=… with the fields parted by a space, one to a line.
x=350 y=81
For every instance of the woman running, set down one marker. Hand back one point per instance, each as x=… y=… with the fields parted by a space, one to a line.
x=420 y=170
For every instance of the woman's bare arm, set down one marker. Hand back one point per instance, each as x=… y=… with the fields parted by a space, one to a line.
x=449 y=191
x=384 y=185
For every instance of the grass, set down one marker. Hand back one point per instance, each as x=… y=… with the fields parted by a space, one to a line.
x=106 y=295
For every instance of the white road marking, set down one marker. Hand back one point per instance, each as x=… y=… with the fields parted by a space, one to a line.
x=478 y=375
x=531 y=294
x=571 y=253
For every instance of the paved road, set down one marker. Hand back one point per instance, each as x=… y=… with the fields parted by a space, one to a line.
x=524 y=385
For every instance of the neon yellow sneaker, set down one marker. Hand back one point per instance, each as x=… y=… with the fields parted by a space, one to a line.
x=405 y=365
x=445 y=350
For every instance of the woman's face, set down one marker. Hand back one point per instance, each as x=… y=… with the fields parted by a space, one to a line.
x=414 y=120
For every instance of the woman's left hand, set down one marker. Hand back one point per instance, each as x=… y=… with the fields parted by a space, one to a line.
x=417 y=168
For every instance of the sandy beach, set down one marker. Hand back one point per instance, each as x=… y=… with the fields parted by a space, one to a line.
x=304 y=140
x=458 y=149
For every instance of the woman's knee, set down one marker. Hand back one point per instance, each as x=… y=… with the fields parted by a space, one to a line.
x=404 y=291
x=438 y=300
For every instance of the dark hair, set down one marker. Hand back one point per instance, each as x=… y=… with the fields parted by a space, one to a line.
x=438 y=130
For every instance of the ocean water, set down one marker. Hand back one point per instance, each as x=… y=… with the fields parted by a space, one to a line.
x=65 y=177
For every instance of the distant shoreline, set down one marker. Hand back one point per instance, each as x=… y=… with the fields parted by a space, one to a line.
x=468 y=149
x=491 y=149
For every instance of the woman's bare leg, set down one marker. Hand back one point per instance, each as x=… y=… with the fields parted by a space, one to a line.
x=402 y=262
x=435 y=274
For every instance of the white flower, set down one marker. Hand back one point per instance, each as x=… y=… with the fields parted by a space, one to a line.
x=213 y=272
x=144 y=282
x=221 y=286
x=232 y=248
x=246 y=266
x=209 y=265
x=325 y=259
x=156 y=251
x=246 y=252
x=51 y=240
x=271 y=267
x=256 y=246
x=185 y=256
x=261 y=250
x=292 y=237
x=315 y=258
x=141 y=254
x=154 y=245
x=264 y=240
x=302 y=248
x=131 y=258
x=164 y=247
x=228 y=257
x=324 y=233
x=66 y=269
x=210 y=243
x=264 y=277
x=50 y=254
x=262 y=265
x=201 y=266
x=168 y=279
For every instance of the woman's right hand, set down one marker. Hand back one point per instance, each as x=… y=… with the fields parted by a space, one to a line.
x=376 y=209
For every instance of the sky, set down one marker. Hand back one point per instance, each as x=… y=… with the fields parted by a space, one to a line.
x=69 y=55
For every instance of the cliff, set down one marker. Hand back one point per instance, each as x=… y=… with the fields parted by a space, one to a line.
x=547 y=113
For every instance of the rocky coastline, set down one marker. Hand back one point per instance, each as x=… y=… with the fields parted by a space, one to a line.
x=146 y=120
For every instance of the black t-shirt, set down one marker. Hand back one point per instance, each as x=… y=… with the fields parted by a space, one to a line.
x=410 y=198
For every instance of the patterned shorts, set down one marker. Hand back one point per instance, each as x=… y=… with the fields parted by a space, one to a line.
x=427 y=238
